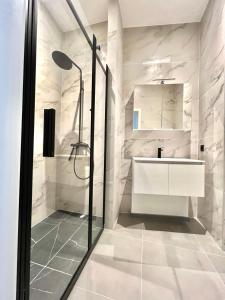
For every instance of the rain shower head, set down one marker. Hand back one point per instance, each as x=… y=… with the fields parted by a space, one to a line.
x=62 y=60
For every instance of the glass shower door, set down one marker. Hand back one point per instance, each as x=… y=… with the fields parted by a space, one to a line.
x=61 y=160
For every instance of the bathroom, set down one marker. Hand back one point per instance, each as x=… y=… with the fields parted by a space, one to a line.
x=115 y=173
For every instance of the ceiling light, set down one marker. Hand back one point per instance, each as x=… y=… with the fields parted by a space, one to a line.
x=157 y=61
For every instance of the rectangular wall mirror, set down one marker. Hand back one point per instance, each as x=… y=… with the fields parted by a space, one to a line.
x=158 y=106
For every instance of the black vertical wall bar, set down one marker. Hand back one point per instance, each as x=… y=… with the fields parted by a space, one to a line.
x=49 y=133
x=26 y=165
x=92 y=141
x=105 y=145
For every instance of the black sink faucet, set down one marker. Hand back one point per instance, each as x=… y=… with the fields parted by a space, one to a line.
x=160 y=152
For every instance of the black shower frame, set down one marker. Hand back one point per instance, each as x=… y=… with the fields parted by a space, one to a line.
x=27 y=144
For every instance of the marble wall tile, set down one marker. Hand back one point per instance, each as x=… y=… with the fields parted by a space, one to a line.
x=115 y=110
x=176 y=48
x=48 y=95
x=211 y=117
x=72 y=193
x=175 y=42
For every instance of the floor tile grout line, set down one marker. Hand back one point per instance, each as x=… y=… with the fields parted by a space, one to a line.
x=59 y=271
x=37 y=276
x=124 y=233
x=47 y=292
x=211 y=263
x=202 y=251
x=95 y=293
x=56 y=253
x=51 y=269
x=56 y=236
x=77 y=244
x=212 y=240
x=54 y=226
x=46 y=234
x=48 y=223
x=70 y=259
x=32 y=262
x=171 y=245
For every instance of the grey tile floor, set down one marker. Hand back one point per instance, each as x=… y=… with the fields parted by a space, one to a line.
x=153 y=259
x=58 y=245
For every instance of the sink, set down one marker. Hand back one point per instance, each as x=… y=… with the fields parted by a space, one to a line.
x=169 y=160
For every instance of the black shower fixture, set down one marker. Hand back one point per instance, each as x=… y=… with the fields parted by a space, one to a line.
x=64 y=62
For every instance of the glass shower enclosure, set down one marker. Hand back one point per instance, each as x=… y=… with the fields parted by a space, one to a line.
x=63 y=160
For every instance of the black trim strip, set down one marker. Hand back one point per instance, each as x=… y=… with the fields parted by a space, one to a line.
x=105 y=146
x=92 y=141
x=26 y=163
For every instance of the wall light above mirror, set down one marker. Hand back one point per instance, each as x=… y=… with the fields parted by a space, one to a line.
x=158 y=106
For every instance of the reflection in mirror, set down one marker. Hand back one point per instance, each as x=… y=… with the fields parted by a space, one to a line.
x=158 y=106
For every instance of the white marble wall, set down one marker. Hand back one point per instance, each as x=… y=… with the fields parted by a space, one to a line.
x=211 y=122
x=48 y=95
x=115 y=113
x=160 y=52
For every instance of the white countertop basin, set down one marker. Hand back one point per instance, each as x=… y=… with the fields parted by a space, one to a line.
x=169 y=160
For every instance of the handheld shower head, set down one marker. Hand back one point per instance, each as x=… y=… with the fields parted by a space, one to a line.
x=62 y=60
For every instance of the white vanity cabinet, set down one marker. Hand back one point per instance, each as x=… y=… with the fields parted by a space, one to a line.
x=163 y=186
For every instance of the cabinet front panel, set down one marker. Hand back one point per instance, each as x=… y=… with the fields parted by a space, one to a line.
x=150 y=178
x=186 y=180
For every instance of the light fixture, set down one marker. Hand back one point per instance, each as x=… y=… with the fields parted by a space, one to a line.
x=166 y=60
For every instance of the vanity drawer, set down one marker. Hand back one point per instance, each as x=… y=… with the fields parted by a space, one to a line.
x=150 y=178
x=187 y=180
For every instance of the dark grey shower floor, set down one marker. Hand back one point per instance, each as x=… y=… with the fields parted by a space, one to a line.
x=58 y=245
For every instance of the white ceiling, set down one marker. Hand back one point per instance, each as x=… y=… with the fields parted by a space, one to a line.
x=89 y=11
x=61 y=13
x=96 y=11
x=137 y=13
